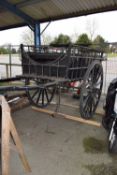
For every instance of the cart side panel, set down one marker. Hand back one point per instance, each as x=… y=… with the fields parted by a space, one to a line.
x=45 y=66
x=78 y=67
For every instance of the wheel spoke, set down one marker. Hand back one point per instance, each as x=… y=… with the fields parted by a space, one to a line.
x=92 y=75
x=46 y=95
x=96 y=91
x=95 y=99
x=98 y=72
x=86 y=98
x=95 y=74
x=86 y=102
x=35 y=93
x=98 y=76
x=42 y=97
x=92 y=105
x=87 y=110
x=97 y=83
x=49 y=92
x=38 y=98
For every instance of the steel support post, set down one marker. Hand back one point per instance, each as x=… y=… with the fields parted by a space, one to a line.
x=37 y=36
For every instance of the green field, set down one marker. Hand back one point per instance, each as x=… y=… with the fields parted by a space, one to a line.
x=111 y=55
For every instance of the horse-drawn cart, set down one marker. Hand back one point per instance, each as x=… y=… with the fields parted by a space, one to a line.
x=48 y=67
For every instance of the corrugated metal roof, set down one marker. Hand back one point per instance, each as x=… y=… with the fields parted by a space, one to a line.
x=47 y=10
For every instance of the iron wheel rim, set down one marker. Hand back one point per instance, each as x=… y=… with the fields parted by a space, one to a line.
x=91 y=90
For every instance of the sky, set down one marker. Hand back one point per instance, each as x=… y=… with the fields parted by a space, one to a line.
x=105 y=24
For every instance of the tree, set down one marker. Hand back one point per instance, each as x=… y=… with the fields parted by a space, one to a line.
x=83 y=39
x=113 y=48
x=91 y=27
x=6 y=49
x=3 y=50
x=99 y=42
x=46 y=39
x=61 y=39
x=13 y=50
x=28 y=37
x=74 y=36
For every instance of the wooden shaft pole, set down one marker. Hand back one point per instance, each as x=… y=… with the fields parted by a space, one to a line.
x=78 y=119
x=5 y=151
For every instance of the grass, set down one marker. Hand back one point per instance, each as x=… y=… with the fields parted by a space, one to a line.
x=93 y=145
x=3 y=84
x=16 y=83
x=111 y=55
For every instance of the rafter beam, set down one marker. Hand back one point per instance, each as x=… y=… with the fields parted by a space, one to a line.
x=12 y=26
x=29 y=2
x=12 y=8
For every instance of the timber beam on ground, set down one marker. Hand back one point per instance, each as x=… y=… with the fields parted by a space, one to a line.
x=65 y=116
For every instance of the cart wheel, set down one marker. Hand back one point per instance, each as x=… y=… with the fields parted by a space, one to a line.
x=40 y=97
x=91 y=90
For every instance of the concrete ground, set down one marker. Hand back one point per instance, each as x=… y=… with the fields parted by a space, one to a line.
x=54 y=146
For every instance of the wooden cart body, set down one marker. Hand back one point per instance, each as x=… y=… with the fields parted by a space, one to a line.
x=67 y=62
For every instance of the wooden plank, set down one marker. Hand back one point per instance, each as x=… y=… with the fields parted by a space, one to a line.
x=5 y=151
x=74 y=118
x=7 y=128
x=5 y=136
x=12 y=147
x=78 y=119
